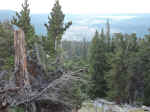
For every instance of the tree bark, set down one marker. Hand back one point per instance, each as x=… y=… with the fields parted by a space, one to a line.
x=21 y=72
x=22 y=78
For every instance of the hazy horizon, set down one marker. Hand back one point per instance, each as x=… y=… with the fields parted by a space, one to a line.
x=99 y=14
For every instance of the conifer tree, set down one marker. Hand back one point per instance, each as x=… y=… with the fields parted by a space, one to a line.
x=118 y=76
x=84 y=50
x=23 y=21
x=55 y=28
x=98 y=67
x=6 y=46
x=102 y=33
x=108 y=37
x=144 y=68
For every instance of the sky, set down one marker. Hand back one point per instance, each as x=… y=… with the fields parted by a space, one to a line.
x=82 y=6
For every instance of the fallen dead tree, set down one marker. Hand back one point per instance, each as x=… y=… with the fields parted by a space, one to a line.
x=31 y=93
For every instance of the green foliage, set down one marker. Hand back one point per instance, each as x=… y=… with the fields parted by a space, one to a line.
x=17 y=109
x=129 y=67
x=23 y=21
x=79 y=88
x=119 y=67
x=108 y=36
x=9 y=62
x=74 y=64
x=145 y=68
x=78 y=94
x=55 y=29
x=147 y=91
x=98 y=66
x=6 y=46
x=117 y=76
x=75 y=50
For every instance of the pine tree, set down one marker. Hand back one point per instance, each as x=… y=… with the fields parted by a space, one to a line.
x=102 y=34
x=6 y=46
x=23 y=21
x=117 y=77
x=55 y=28
x=144 y=60
x=108 y=37
x=84 y=50
x=133 y=66
x=98 y=67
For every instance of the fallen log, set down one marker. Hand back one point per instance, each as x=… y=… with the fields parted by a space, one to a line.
x=47 y=94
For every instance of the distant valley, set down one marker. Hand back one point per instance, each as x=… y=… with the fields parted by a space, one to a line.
x=84 y=26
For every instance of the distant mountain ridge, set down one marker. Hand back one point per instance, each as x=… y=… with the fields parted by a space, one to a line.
x=84 y=26
x=6 y=14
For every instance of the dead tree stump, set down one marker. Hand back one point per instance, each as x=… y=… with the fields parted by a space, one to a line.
x=49 y=96
x=21 y=76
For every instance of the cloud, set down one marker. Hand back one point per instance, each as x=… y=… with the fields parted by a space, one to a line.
x=83 y=6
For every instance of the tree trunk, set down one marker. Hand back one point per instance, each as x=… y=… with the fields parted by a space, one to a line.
x=21 y=72
x=21 y=76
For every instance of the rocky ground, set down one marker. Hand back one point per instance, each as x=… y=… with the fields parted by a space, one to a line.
x=98 y=106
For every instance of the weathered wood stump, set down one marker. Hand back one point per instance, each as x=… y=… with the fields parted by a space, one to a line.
x=33 y=90
x=21 y=76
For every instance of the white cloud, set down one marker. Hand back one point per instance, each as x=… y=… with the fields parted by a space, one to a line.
x=83 y=6
x=117 y=17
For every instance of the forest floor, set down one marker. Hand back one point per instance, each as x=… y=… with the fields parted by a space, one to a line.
x=138 y=110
